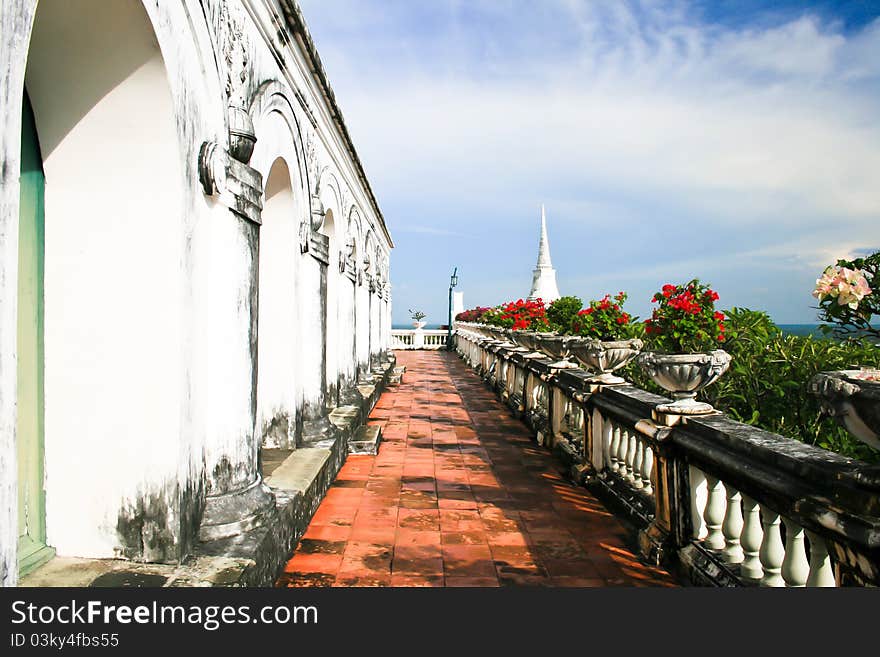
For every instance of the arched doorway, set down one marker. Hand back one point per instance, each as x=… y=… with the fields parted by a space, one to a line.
x=114 y=261
x=277 y=321
x=32 y=549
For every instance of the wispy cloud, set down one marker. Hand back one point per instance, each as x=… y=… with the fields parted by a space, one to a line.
x=650 y=130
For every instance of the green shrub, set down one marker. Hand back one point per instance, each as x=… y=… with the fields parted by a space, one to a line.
x=561 y=312
x=766 y=385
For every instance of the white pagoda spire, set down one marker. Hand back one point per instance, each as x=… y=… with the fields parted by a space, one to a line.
x=544 y=277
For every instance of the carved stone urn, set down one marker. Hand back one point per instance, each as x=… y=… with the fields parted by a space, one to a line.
x=242 y=136
x=527 y=340
x=684 y=375
x=852 y=397
x=557 y=347
x=604 y=357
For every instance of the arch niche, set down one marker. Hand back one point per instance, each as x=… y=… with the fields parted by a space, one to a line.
x=277 y=322
x=111 y=318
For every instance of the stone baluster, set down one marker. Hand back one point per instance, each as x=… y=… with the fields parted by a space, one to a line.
x=622 y=447
x=750 y=539
x=795 y=567
x=615 y=447
x=607 y=443
x=732 y=526
x=772 y=551
x=648 y=470
x=821 y=571
x=698 y=495
x=630 y=456
x=596 y=443
x=713 y=514
x=638 y=461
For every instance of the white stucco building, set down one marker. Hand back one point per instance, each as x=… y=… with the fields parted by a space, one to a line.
x=176 y=297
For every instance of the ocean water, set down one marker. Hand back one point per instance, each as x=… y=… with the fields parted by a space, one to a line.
x=801 y=329
x=428 y=327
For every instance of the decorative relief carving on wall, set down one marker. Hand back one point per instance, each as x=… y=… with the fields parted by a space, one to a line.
x=224 y=168
x=233 y=48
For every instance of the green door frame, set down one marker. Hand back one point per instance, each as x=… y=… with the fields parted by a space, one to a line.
x=32 y=548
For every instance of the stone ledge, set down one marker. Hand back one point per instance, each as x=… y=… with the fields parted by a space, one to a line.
x=396 y=376
x=195 y=571
x=366 y=440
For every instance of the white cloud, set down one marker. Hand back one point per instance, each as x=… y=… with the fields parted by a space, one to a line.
x=618 y=113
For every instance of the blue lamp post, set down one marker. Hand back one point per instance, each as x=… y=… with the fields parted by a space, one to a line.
x=453 y=281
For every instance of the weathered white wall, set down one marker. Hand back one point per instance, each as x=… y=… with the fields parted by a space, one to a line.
x=151 y=285
x=114 y=264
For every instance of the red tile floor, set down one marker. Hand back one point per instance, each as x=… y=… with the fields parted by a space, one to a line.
x=459 y=495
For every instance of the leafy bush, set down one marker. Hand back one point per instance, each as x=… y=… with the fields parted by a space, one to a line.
x=766 y=385
x=472 y=315
x=604 y=319
x=561 y=312
x=685 y=320
x=519 y=315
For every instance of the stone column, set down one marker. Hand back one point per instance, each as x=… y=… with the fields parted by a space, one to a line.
x=347 y=385
x=316 y=423
x=237 y=499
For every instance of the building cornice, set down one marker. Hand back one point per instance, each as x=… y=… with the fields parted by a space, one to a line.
x=297 y=25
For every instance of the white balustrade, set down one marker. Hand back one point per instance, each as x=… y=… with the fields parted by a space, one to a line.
x=418 y=339
x=758 y=544
x=748 y=536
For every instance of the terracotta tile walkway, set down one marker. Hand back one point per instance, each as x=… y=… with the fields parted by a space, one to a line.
x=459 y=495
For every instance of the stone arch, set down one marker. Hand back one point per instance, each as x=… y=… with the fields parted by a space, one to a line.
x=271 y=110
x=276 y=312
x=105 y=82
x=330 y=190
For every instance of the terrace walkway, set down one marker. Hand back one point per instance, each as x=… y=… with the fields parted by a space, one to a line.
x=459 y=495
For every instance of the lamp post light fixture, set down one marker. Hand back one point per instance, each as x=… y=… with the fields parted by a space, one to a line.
x=453 y=281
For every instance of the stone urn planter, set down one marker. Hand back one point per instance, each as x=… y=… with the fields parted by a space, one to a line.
x=684 y=375
x=497 y=333
x=527 y=340
x=419 y=325
x=557 y=347
x=604 y=357
x=852 y=397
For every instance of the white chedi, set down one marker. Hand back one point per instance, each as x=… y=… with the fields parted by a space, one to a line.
x=544 y=277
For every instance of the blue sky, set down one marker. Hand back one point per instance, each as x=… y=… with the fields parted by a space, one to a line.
x=733 y=141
